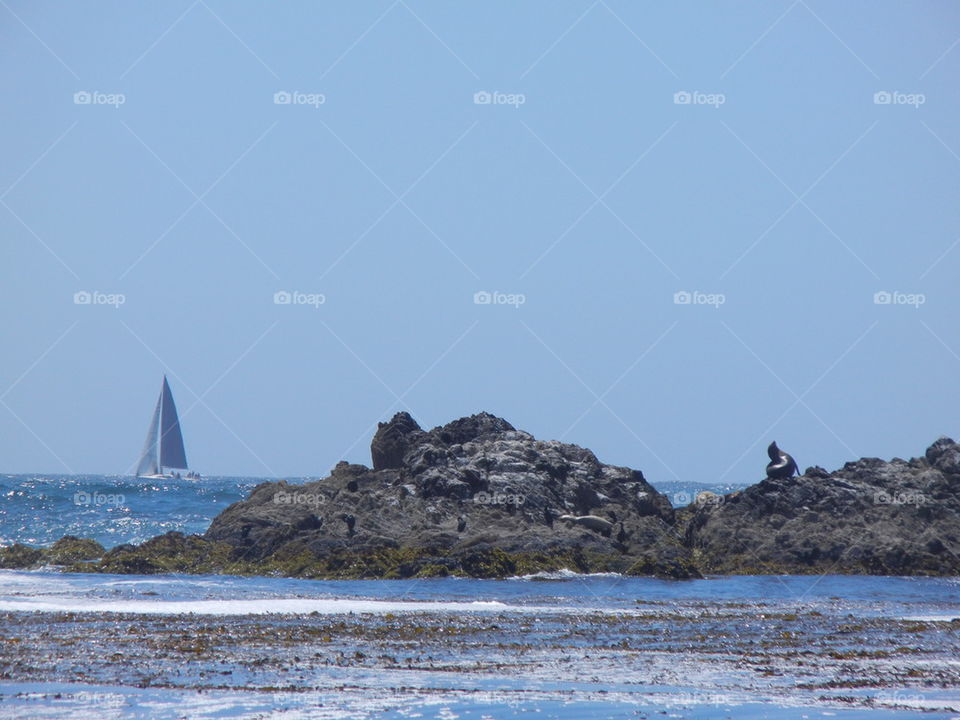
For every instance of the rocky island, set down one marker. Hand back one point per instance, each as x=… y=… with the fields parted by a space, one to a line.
x=871 y=517
x=477 y=497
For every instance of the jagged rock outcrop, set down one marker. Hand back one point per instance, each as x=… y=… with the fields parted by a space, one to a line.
x=392 y=441
x=478 y=497
x=459 y=496
x=870 y=516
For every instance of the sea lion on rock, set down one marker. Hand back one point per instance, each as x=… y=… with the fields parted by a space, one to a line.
x=591 y=522
x=781 y=465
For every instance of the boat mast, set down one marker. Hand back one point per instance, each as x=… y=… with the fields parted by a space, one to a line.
x=160 y=429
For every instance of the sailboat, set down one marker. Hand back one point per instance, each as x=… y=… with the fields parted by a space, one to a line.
x=164 y=445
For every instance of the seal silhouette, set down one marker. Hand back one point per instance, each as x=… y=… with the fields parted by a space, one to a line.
x=592 y=522
x=781 y=464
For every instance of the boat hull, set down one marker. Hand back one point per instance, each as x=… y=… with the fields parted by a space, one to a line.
x=169 y=477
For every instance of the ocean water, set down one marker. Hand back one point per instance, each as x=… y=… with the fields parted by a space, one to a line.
x=557 y=645
x=114 y=509
x=111 y=509
x=564 y=592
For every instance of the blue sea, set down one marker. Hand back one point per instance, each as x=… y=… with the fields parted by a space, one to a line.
x=555 y=645
x=114 y=509
x=111 y=509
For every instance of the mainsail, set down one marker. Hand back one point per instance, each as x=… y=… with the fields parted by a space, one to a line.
x=167 y=449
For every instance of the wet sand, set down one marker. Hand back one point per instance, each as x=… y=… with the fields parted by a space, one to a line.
x=707 y=655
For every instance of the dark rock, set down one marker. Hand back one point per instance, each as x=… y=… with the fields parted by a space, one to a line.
x=870 y=517
x=392 y=441
x=66 y=551
x=478 y=497
x=70 y=549
x=471 y=428
x=173 y=552
x=453 y=495
x=19 y=556
x=944 y=455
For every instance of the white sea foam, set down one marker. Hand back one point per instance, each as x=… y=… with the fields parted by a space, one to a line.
x=22 y=577
x=32 y=582
x=563 y=574
x=265 y=606
x=163 y=581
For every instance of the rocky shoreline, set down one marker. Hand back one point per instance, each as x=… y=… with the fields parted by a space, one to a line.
x=478 y=498
x=787 y=652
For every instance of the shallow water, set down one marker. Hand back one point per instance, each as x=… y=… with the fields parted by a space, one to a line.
x=858 y=596
x=572 y=647
x=59 y=700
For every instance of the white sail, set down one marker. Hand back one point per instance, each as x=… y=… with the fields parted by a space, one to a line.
x=148 y=458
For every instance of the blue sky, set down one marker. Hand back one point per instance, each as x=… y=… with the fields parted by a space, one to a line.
x=739 y=153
